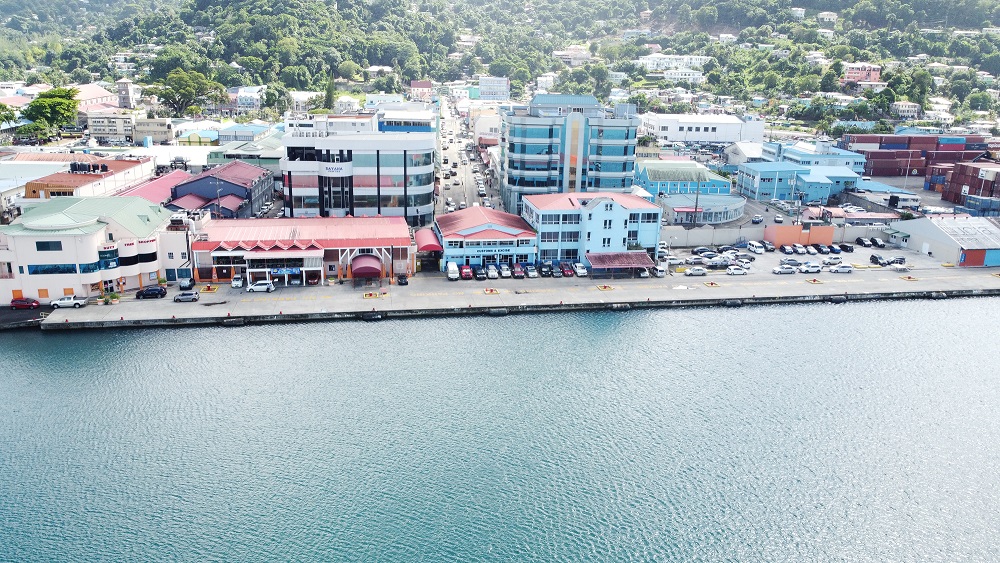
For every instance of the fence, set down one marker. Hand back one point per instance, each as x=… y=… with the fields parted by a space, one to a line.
x=710 y=236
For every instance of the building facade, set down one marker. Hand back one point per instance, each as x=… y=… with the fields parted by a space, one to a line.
x=158 y=130
x=479 y=236
x=705 y=128
x=336 y=166
x=862 y=72
x=234 y=190
x=494 y=88
x=570 y=226
x=566 y=143
x=105 y=127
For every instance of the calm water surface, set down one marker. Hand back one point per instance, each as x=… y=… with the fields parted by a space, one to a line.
x=862 y=432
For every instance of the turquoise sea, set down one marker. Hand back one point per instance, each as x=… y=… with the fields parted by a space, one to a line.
x=859 y=432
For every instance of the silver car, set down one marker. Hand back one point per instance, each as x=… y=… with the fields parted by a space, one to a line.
x=187 y=296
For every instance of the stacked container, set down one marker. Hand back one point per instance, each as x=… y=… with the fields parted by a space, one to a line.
x=914 y=155
x=973 y=180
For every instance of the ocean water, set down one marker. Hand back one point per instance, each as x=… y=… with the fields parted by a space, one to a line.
x=859 y=432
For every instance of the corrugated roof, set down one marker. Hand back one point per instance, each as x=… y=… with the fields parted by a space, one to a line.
x=235 y=172
x=77 y=179
x=325 y=232
x=71 y=214
x=189 y=201
x=453 y=224
x=678 y=171
x=971 y=233
x=579 y=200
x=158 y=190
x=565 y=99
x=55 y=157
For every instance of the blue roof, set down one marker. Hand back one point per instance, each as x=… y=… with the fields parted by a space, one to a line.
x=254 y=128
x=879 y=187
x=775 y=167
x=835 y=171
x=815 y=178
x=833 y=151
x=564 y=99
x=206 y=134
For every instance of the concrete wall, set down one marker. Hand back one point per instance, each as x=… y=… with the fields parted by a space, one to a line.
x=707 y=236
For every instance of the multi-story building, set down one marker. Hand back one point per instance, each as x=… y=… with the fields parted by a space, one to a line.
x=905 y=110
x=820 y=153
x=158 y=129
x=683 y=75
x=106 y=126
x=494 y=88
x=234 y=190
x=566 y=143
x=245 y=132
x=765 y=181
x=861 y=72
x=826 y=17
x=660 y=61
x=480 y=236
x=705 y=128
x=336 y=166
x=663 y=177
x=546 y=81
x=91 y=246
x=798 y=13
x=571 y=226
x=98 y=178
x=421 y=90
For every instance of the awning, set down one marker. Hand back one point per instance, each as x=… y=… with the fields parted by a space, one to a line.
x=427 y=240
x=609 y=260
x=366 y=266
x=278 y=253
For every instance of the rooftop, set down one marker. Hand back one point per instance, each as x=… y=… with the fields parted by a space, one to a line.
x=677 y=171
x=459 y=222
x=235 y=172
x=565 y=100
x=82 y=215
x=328 y=232
x=77 y=179
x=579 y=200
x=970 y=233
x=159 y=189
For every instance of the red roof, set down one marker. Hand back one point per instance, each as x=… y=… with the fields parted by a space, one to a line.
x=235 y=172
x=189 y=201
x=77 y=179
x=305 y=232
x=228 y=201
x=421 y=84
x=427 y=240
x=15 y=101
x=158 y=190
x=577 y=200
x=55 y=157
x=607 y=260
x=452 y=224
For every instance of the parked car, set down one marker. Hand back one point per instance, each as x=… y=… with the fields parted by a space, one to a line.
x=736 y=271
x=877 y=259
x=465 y=272
x=567 y=269
x=480 y=273
x=709 y=255
x=505 y=271
x=768 y=247
x=757 y=219
x=580 y=270
x=529 y=271
x=783 y=269
x=834 y=249
x=798 y=248
x=698 y=250
x=822 y=248
x=847 y=247
x=69 y=301
x=237 y=281
x=154 y=291
x=262 y=285
x=401 y=279
x=186 y=284
x=673 y=260
x=877 y=242
x=832 y=260
x=863 y=242
x=24 y=303
x=900 y=267
x=186 y=296
x=745 y=264
x=897 y=260
x=517 y=272
x=790 y=262
x=492 y=272
x=545 y=270
x=726 y=248
x=694 y=260
x=810 y=268
x=556 y=272
x=787 y=249
x=642 y=273
x=779 y=219
x=812 y=251
x=696 y=271
x=745 y=256
x=659 y=271
x=842 y=269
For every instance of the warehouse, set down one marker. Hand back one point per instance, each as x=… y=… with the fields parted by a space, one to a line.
x=963 y=241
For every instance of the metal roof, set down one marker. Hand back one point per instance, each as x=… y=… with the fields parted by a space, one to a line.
x=69 y=215
x=971 y=233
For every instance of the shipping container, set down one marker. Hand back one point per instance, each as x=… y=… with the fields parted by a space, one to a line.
x=972 y=258
x=975 y=139
x=857 y=147
x=893 y=146
x=939 y=188
x=951 y=147
x=938 y=179
x=976 y=146
x=951 y=140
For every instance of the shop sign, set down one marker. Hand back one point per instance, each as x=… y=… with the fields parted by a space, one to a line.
x=283 y=271
x=335 y=168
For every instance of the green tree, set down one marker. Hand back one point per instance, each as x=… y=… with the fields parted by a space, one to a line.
x=54 y=108
x=349 y=70
x=330 y=94
x=7 y=114
x=706 y=16
x=829 y=82
x=183 y=89
x=980 y=101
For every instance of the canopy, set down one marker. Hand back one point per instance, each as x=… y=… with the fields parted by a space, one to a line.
x=366 y=266
x=427 y=240
x=608 y=260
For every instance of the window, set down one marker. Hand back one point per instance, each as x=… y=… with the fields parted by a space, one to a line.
x=170 y=256
x=608 y=207
x=713 y=129
x=633 y=217
x=549 y=254
x=606 y=243
x=48 y=245
x=571 y=236
x=633 y=236
x=697 y=129
x=550 y=219
x=588 y=236
x=111 y=236
x=549 y=236
x=40 y=269
x=607 y=223
x=184 y=255
x=570 y=219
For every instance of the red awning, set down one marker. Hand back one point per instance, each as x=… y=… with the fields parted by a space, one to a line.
x=366 y=266
x=427 y=240
x=610 y=260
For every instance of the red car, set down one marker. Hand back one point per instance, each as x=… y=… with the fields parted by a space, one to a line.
x=465 y=272
x=567 y=269
x=24 y=303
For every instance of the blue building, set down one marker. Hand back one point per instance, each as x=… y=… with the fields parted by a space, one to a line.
x=820 y=153
x=668 y=177
x=564 y=144
x=479 y=236
x=570 y=226
x=764 y=181
x=244 y=132
x=233 y=190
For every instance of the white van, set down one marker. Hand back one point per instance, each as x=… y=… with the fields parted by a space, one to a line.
x=659 y=271
x=755 y=247
x=452 y=269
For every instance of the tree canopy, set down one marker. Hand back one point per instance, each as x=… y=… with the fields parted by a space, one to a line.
x=182 y=89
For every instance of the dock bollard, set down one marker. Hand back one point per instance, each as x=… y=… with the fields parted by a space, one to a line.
x=121 y=318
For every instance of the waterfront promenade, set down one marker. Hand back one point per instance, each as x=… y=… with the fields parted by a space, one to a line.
x=430 y=294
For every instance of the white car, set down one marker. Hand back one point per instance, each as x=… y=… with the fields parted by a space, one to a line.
x=736 y=271
x=262 y=285
x=842 y=269
x=783 y=269
x=696 y=271
x=579 y=270
x=811 y=251
x=798 y=248
x=492 y=272
x=832 y=261
x=530 y=271
x=809 y=268
x=643 y=273
x=673 y=260
x=237 y=281
x=779 y=219
x=505 y=271
x=69 y=301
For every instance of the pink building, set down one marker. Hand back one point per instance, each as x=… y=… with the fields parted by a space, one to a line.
x=861 y=72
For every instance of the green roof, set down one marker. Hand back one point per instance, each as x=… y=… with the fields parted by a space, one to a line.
x=678 y=172
x=84 y=215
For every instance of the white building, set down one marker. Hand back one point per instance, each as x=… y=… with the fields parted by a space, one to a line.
x=702 y=128
x=546 y=81
x=659 y=61
x=827 y=17
x=574 y=55
x=494 y=88
x=826 y=34
x=105 y=126
x=727 y=38
x=346 y=104
x=486 y=130
x=798 y=13
x=301 y=99
x=159 y=129
x=374 y=100
x=683 y=75
x=905 y=110
x=336 y=166
x=91 y=246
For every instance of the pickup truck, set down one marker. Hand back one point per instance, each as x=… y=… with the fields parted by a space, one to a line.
x=69 y=301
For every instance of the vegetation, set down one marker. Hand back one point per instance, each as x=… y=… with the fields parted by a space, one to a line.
x=181 y=90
